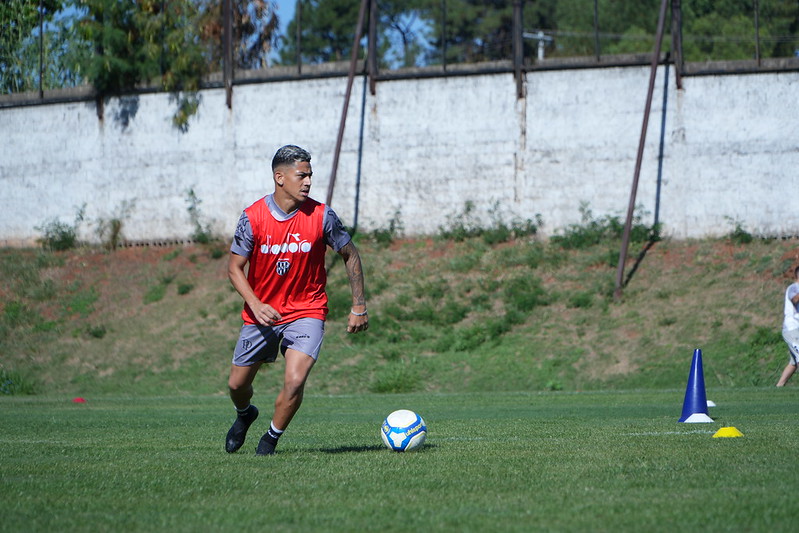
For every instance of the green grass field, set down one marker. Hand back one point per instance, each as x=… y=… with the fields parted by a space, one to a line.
x=524 y=461
x=550 y=405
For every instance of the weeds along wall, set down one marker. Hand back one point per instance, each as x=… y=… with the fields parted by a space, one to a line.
x=429 y=147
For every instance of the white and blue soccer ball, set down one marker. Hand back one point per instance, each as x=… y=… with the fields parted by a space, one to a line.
x=403 y=431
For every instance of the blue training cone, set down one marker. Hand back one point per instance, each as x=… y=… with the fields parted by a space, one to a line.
x=694 y=407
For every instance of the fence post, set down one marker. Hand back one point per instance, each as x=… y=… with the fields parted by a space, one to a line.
x=372 y=50
x=597 y=50
x=518 y=48
x=298 y=36
x=676 y=40
x=625 y=240
x=757 y=32
x=340 y=138
x=444 y=34
x=41 y=49
x=227 y=51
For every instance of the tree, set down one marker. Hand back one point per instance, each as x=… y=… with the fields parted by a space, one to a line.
x=19 y=19
x=327 y=31
x=403 y=33
x=136 y=42
x=471 y=30
x=255 y=24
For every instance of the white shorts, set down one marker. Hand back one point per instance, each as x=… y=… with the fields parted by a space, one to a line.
x=792 y=339
x=260 y=343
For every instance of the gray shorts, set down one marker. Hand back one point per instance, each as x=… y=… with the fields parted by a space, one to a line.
x=792 y=339
x=260 y=343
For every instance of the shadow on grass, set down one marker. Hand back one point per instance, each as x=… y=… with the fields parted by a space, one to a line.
x=358 y=449
x=650 y=243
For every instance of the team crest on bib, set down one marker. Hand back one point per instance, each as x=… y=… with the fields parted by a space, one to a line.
x=282 y=267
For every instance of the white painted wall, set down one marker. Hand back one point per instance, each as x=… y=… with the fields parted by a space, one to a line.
x=430 y=145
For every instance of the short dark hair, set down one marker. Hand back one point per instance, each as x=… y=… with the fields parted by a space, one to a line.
x=796 y=272
x=288 y=155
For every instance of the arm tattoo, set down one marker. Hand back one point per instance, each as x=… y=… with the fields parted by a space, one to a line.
x=352 y=261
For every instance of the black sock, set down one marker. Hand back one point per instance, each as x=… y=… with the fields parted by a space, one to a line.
x=272 y=435
x=269 y=441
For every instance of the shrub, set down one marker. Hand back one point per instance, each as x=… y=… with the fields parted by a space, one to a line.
x=202 y=229
x=739 y=235
x=13 y=383
x=592 y=231
x=383 y=237
x=58 y=236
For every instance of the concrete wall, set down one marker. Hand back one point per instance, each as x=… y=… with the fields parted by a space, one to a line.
x=731 y=153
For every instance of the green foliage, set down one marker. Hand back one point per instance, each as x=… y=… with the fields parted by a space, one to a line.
x=467 y=224
x=397 y=377
x=384 y=236
x=81 y=300
x=136 y=42
x=328 y=31
x=451 y=315
x=58 y=235
x=97 y=331
x=109 y=231
x=592 y=231
x=202 y=229
x=255 y=24
x=523 y=293
x=13 y=383
x=472 y=31
x=739 y=235
x=155 y=293
x=185 y=288
x=18 y=19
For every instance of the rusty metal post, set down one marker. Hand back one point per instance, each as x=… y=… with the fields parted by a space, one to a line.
x=676 y=40
x=444 y=34
x=340 y=138
x=597 y=49
x=625 y=241
x=41 y=49
x=298 y=36
x=757 y=32
x=227 y=52
x=371 y=55
x=518 y=48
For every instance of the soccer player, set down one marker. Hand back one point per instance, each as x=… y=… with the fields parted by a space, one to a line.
x=283 y=238
x=790 y=328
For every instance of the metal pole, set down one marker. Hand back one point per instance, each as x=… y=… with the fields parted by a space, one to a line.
x=518 y=50
x=597 y=50
x=41 y=49
x=757 y=32
x=625 y=241
x=298 y=17
x=360 y=159
x=444 y=34
x=662 y=142
x=676 y=40
x=350 y=77
x=372 y=53
x=227 y=51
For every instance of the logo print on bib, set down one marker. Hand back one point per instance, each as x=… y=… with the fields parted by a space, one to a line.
x=282 y=267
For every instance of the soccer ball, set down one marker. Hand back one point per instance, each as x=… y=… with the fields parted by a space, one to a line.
x=403 y=431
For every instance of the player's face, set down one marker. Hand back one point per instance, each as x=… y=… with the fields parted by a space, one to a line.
x=295 y=180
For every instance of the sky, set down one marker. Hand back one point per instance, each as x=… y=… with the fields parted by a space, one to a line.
x=285 y=11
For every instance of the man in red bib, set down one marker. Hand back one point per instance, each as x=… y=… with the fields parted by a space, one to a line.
x=283 y=237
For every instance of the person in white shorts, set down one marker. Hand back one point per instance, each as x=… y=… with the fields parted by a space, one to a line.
x=790 y=328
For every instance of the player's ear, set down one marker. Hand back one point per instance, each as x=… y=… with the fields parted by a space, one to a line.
x=278 y=177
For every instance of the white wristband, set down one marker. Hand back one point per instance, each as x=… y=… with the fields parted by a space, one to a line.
x=365 y=312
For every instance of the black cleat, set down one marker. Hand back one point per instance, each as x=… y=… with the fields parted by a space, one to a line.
x=266 y=446
x=238 y=431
